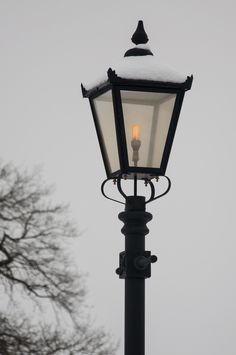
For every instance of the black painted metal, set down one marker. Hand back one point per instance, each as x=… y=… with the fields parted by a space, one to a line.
x=140 y=36
x=100 y=139
x=139 y=84
x=153 y=196
x=110 y=198
x=172 y=129
x=116 y=84
x=120 y=128
x=134 y=85
x=147 y=182
x=135 y=52
x=134 y=268
x=135 y=261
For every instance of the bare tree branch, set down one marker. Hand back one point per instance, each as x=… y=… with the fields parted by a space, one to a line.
x=35 y=271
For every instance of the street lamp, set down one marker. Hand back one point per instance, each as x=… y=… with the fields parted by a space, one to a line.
x=135 y=110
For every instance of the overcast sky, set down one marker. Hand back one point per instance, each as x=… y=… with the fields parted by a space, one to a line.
x=47 y=49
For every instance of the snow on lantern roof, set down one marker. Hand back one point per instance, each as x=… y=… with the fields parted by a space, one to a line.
x=139 y=64
x=140 y=68
x=147 y=68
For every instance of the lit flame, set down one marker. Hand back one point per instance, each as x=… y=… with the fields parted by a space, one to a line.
x=136 y=132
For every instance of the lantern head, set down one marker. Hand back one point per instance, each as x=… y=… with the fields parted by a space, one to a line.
x=136 y=108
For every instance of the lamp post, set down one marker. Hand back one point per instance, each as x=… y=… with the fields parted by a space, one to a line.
x=135 y=110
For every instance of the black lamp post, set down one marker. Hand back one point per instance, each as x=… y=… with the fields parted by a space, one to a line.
x=136 y=110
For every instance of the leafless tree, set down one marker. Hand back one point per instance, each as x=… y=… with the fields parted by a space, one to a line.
x=42 y=295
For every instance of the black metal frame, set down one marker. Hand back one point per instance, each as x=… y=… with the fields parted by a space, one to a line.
x=135 y=261
x=134 y=268
x=116 y=84
x=148 y=182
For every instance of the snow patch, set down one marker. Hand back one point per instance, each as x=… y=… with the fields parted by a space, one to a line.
x=140 y=68
x=147 y=68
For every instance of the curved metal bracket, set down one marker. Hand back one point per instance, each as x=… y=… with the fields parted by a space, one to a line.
x=153 y=196
x=153 y=192
x=109 y=198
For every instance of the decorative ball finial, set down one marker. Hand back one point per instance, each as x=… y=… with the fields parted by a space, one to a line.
x=139 y=38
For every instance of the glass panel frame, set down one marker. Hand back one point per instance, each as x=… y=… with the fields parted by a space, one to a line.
x=147 y=172
x=144 y=86
x=102 y=136
x=150 y=114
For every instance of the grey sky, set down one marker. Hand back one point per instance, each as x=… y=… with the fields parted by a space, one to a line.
x=47 y=49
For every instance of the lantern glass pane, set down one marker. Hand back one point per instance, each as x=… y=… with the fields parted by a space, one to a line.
x=106 y=121
x=147 y=117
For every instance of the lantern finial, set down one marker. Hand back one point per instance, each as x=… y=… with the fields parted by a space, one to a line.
x=139 y=38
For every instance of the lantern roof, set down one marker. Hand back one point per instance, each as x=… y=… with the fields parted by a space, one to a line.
x=139 y=64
